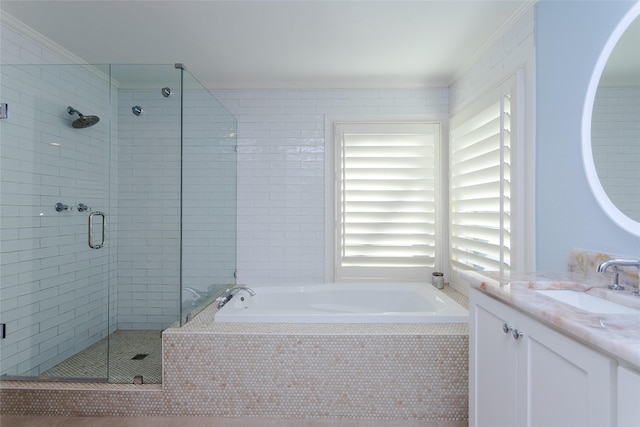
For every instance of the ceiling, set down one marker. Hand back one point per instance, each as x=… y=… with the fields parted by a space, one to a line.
x=278 y=44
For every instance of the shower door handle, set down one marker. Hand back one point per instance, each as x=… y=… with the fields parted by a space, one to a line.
x=104 y=228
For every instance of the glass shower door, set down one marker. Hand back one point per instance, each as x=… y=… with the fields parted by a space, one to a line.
x=117 y=216
x=55 y=175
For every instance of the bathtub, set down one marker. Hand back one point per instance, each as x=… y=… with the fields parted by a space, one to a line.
x=386 y=373
x=344 y=303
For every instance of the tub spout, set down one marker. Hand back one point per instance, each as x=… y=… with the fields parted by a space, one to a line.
x=229 y=293
x=197 y=296
x=193 y=292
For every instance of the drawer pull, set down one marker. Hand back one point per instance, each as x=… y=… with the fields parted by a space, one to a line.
x=507 y=328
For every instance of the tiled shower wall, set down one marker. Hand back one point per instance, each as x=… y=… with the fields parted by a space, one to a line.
x=614 y=138
x=147 y=259
x=54 y=288
x=149 y=193
x=281 y=146
x=209 y=193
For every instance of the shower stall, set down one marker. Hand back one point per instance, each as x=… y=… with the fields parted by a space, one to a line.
x=117 y=216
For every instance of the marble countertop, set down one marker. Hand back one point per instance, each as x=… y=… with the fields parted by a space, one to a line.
x=617 y=335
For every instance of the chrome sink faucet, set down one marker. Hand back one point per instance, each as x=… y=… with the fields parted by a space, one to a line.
x=229 y=293
x=602 y=268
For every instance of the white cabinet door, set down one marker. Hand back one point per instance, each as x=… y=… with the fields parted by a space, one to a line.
x=492 y=370
x=542 y=378
x=628 y=399
x=568 y=384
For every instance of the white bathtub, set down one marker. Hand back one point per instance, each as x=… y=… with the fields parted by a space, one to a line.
x=344 y=303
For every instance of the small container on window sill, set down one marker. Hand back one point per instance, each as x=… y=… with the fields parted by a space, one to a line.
x=437 y=280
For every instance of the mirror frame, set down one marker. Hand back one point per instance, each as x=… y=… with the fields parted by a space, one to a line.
x=612 y=211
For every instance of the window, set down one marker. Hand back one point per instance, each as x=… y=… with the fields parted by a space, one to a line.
x=481 y=182
x=385 y=181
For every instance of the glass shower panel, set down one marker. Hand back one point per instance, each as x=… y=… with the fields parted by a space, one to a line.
x=147 y=294
x=117 y=216
x=208 y=197
x=54 y=171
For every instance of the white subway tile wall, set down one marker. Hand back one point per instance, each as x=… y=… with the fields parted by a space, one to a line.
x=145 y=181
x=281 y=207
x=280 y=184
x=281 y=155
x=149 y=196
x=17 y=49
x=54 y=288
x=615 y=133
x=148 y=267
x=209 y=207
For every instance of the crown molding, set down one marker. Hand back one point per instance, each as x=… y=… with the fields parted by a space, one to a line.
x=328 y=84
x=65 y=56
x=506 y=25
x=9 y=21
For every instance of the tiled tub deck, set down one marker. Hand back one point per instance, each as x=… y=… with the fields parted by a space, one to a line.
x=348 y=371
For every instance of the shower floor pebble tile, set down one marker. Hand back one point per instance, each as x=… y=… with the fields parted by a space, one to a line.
x=120 y=348
x=42 y=421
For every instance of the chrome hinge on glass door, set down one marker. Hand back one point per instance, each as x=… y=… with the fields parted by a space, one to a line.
x=104 y=228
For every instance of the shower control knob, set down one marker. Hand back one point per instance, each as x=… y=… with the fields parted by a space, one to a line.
x=82 y=207
x=61 y=207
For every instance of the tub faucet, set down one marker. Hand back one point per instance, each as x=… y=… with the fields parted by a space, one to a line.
x=197 y=296
x=193 y=292
x=618 y=263
x=229 y=293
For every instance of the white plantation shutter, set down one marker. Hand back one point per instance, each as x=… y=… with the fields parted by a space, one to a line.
x=385 y=207
x=480 y=196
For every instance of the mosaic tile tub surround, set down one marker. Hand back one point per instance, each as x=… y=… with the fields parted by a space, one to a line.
x=366 y=371
x=321 y=372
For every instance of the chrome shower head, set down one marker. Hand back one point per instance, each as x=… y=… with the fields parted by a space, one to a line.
x=82 y=121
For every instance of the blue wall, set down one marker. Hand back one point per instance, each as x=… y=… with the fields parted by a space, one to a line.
x=569 y=38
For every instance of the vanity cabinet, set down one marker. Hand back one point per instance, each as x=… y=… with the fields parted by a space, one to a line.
x=628 y=397
x=523 y=373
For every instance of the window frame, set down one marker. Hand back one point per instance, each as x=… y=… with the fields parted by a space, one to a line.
x=332 y=161
x=520 y=181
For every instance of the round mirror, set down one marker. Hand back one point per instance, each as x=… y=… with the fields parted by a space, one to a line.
x=611 y=125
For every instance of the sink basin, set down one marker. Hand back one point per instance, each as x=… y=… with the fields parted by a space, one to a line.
x=588 y=302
